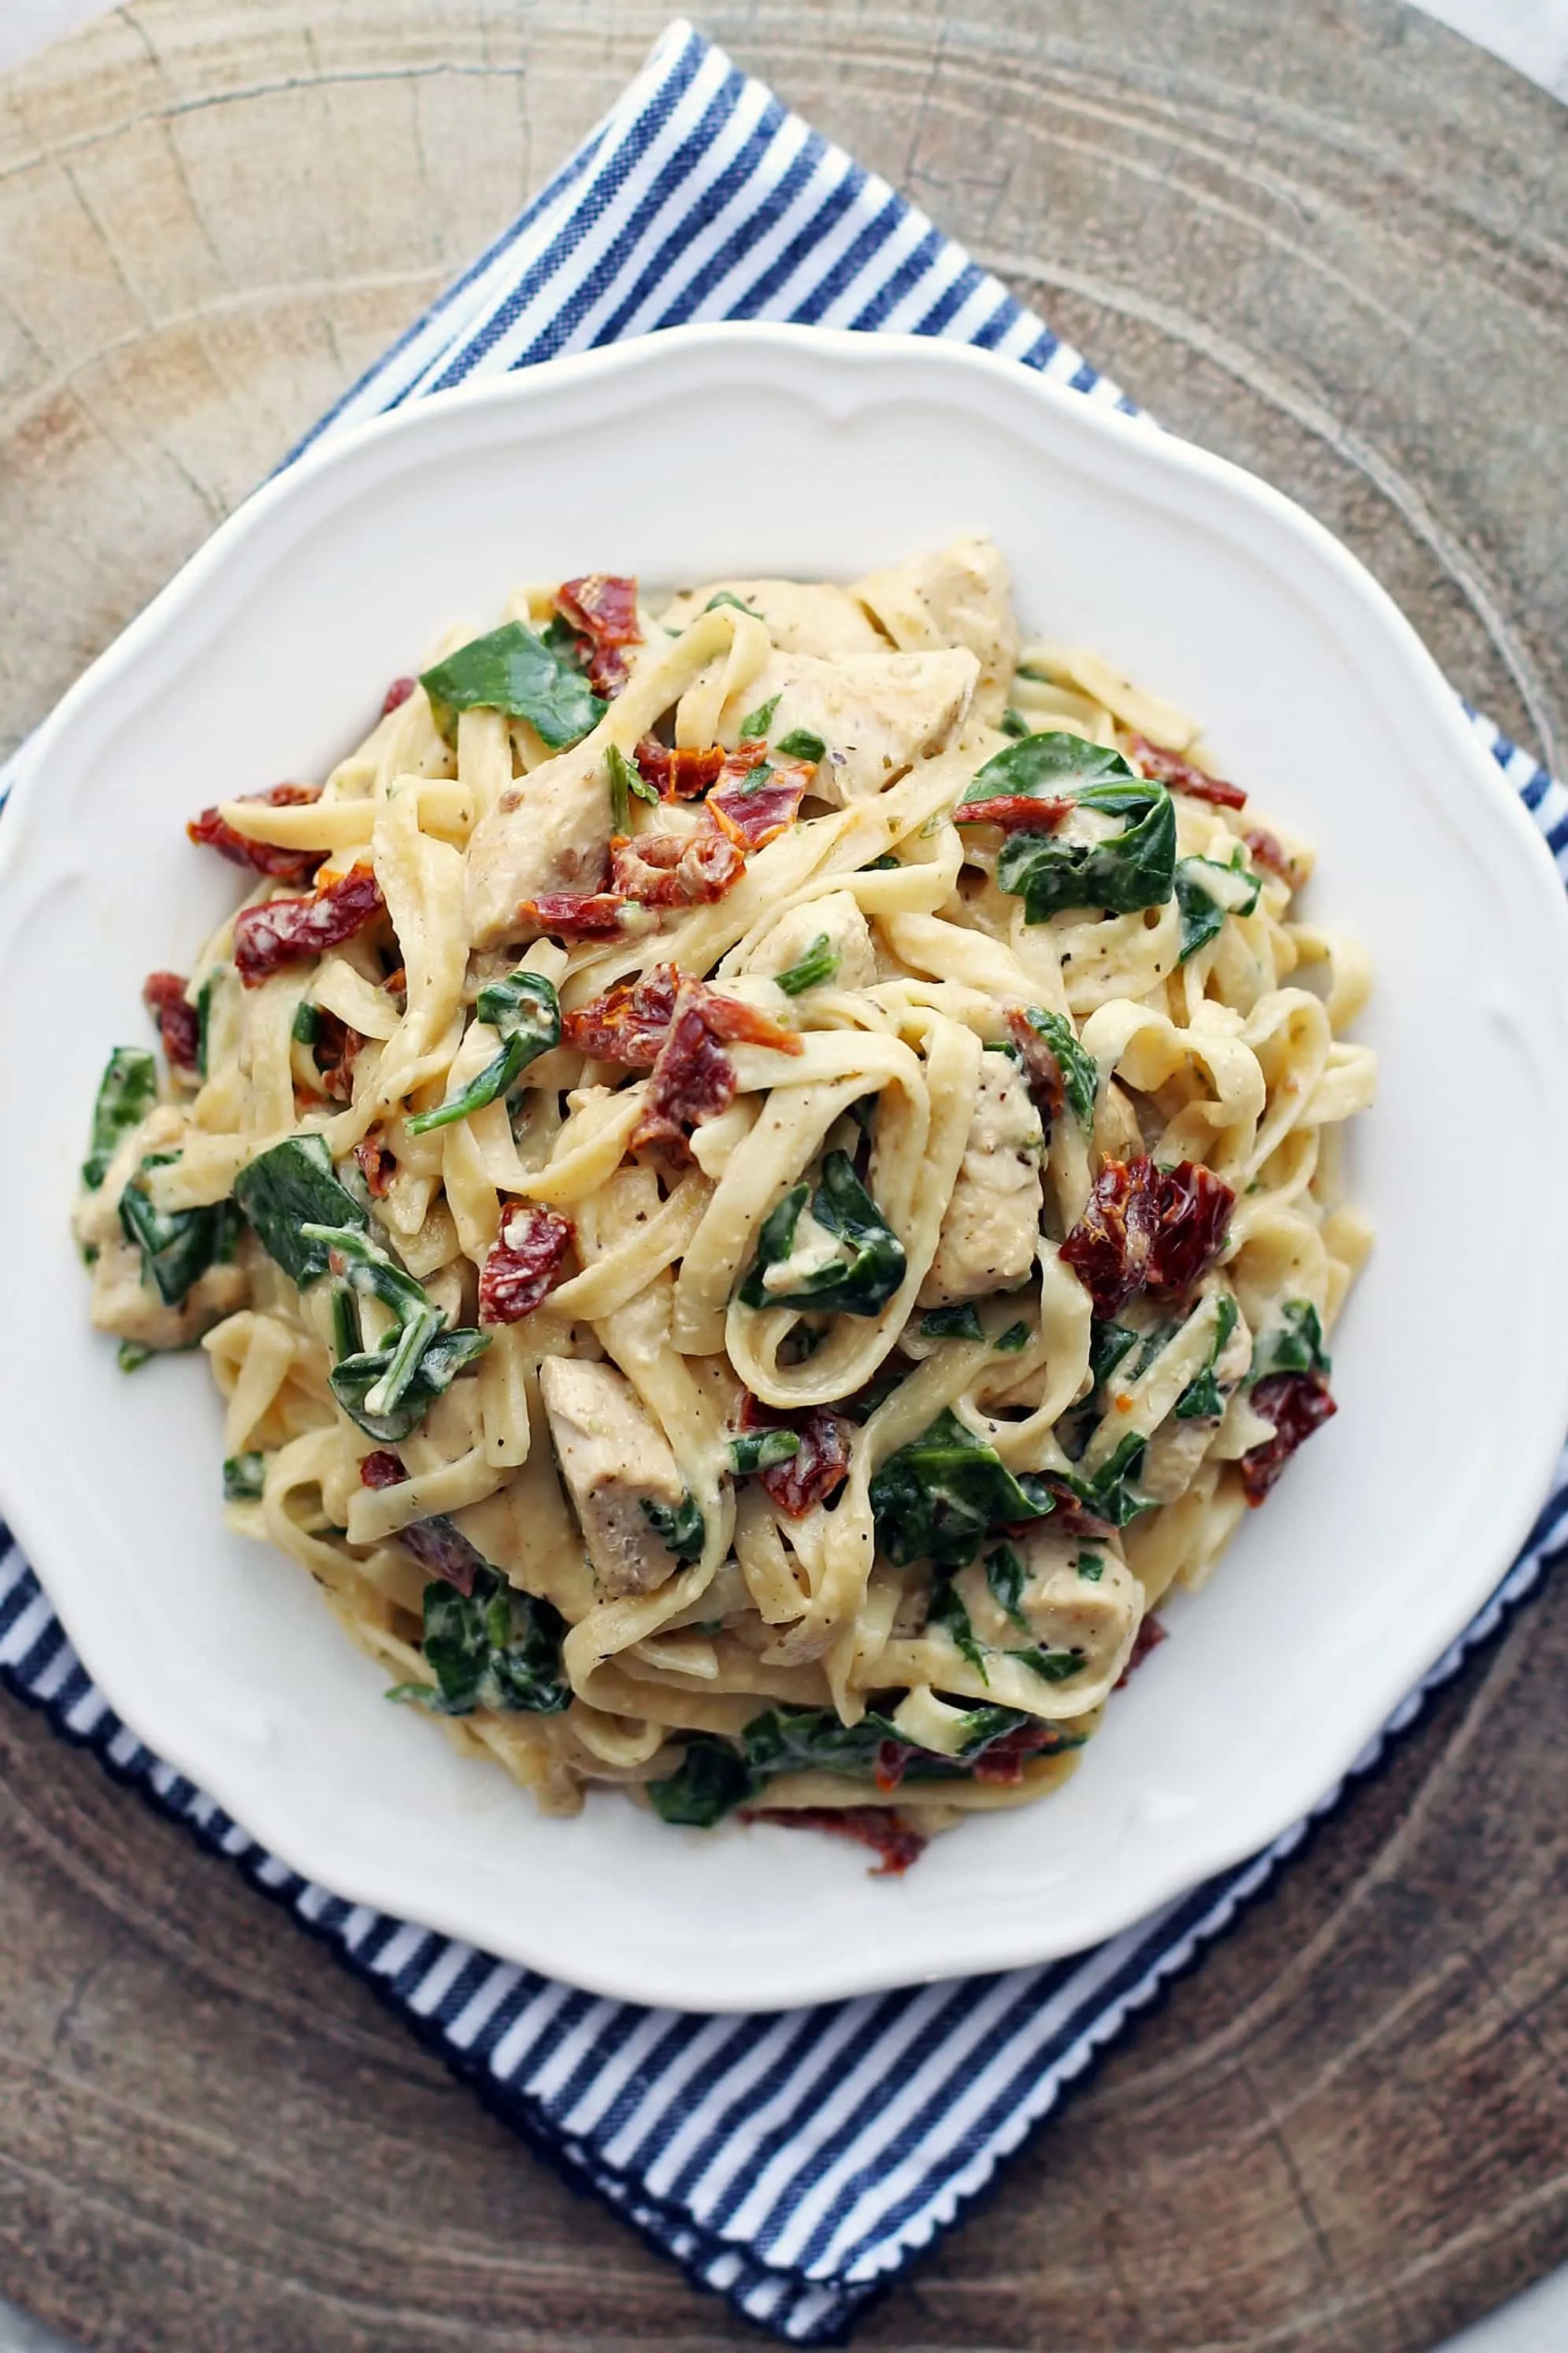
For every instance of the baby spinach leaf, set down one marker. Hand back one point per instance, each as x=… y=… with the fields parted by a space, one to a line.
x=244 y=1476
x=131 y=1355
x=757 y=722
x=367 y=1269
x=1202 y=1399
x=306 y=1026
x=204 y=1021
x=1132 y=868
x=761 y=1449
x=724 y=596
x=1011 y=1341
x=711 y=1780
x=939 y=1497
x=1110 y=1494
x=1013 y=723
x=513 y=671
x=620 y=774
x=1108 y=1345
x=1207 y=892
x=1090 y=1565
x=860 y=1285
x=1080 y=1070
x=951 y=1323
x=1006 y=1577
x=802 y=743
x=282 y=1191
x=948 y=1613
x=1056 y=766
x=819 y=963
x=495 y=1648
x=1294 y=1346
x=525 y=1012
x=1052 y=1666
x=177 y=1246
x=680 y=1527
x=886 y=865
x=126 y=1093
x=356 y=1377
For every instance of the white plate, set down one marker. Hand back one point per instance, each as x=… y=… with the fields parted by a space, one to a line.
x=761 y=449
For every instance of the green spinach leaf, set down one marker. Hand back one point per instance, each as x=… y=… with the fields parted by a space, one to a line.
x=819 y=963
x=1080 y=1070
x=513 y=671
x=1007 y=1576
x=761 y=1449
x=1209 y=891
x=800 y=743
x=1294 y=1346
x=951 y=1323
x=1202 y=1399
x=177 y=1246
x=711 y=1780
x=1135 y=868
x=1110 y=1494
x=244 y=1476
x=680 y=1527
x=525 y=1012
x=938 y=1498
x=495 y=1648
x=284 y=1190
x=948 y=1613
x=356 y=1376
x=126 y=1093
x=860 y=1285
x=1011 y=1341
x=757 y=722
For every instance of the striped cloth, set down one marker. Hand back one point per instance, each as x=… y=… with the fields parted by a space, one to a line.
x=793 y=2162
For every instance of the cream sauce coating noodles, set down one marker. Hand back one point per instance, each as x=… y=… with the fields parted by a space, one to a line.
x=759 y=1177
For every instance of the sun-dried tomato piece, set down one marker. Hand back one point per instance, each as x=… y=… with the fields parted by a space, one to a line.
x=819 y=1469
x=691 y=1079
x=679 y=772
x=382 y=1468
x=1069 y=1517
x=1147 y=1225
x=286 y=930
x=575 y=914
x=1170 y=768
x=603 y=607
x=1109 y=1248
x=1041 y=1067
x=377 y=1164
x=179 y=1024
x=210 y=832
x=1193 y=1207
x=1267 y=849
x=335 y=1048
x=872 y=1826
x=1297 y=1404
x=1002 y=1763
x=675 y=870
x=892 y=1763
x=1149 y=1636
x=524 y=1264
x=753 y=814
x=1016 y=812
x=629 y=1023
x=396 y=694
x=740 y=1023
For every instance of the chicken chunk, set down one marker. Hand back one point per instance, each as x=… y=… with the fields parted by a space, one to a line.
x=615 y=1462
x=875 y=713
x=800 y=619
x=992 y=1217
x=957 y=596
x=836 y=918
x=549 y=831
x=1074 y=1597
x=123 y=1302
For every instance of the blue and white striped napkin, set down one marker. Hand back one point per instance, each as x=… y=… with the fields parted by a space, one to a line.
x=793 y=2162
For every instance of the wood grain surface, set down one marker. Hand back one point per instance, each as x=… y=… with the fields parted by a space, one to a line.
x=1327 y=240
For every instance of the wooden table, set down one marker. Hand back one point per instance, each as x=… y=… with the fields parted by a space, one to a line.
x=1327 y=240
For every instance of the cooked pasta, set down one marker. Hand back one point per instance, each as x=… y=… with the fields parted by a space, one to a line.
x=758 y=1185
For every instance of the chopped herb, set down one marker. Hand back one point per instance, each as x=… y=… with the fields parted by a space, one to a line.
x=819 y=963
x=1294 y=1346
x=947 y=1611
x=525 y=1013
x=244 y=1476
x=800 y=743
x=1006 y=1577
x=619 y=769
x=938 y=1498
x=1011 y=1341
x=282 y=1191
x=951 y=1323
x=680 y=1527
x=1202 y=1399
x=1091 y=1564
x=1013 y=723
x=177 y=1246
x=126 y=1093
x=513 y=671
x=1080 y=1070
x=306 y=1025
x=1207 y=892
x=562 y=638
x=131 y=1355
x=494 y=1648
x=861 y=1285
x=757 y=722
x=761 y=1449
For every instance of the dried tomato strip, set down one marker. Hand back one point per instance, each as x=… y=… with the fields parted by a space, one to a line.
x=336 y=1049
x=440 y=1548
x=1144 y=1226
x=1149 y=1636
x=870 y=1826
x=1297 y=1404
x=179 y=1024
x=377 y=1164
x=755 y=814
x=628 y=1024
x=1194 y=1209
x=1267 y=849
x=382 y=1468
x=396 y=694
x=575 y=915
x=1170 y=768
x=1015 y=812
x=818 y=1470
x=210 y=831
x=679 y=772
x=675 y=870
x=603 y=606
x=524 y=1264
x=284 y=931
x=1002 y=1763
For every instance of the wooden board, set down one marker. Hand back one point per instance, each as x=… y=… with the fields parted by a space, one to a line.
x=1329 y=240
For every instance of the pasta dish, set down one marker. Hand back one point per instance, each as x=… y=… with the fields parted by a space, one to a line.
x=758 y=1172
